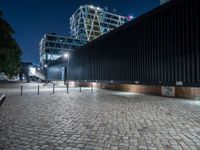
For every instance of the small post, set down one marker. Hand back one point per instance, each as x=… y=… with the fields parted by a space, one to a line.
x=21 y=90
x=38 y=90
x=92 y=87
x=80 y=87
x=53 y=88
x=67 y=87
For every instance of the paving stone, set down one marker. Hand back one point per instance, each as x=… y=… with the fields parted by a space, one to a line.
x=96 y=120
x=68 y=148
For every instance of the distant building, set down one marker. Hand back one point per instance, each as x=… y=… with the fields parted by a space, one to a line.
x=30 y=71
x=90 y=22
x=53 y=46
x=86 y=24
x=163 y=1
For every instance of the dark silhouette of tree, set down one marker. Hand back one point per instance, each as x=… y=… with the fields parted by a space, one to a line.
x=10 y=52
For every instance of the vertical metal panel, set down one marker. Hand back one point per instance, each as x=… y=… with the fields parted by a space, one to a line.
x=197 y=39
x=192 y=44
x=162 y=45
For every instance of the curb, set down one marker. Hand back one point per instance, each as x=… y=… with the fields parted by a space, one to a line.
x=2 y=98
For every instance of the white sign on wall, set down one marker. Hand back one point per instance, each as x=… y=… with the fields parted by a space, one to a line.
x=168 y=91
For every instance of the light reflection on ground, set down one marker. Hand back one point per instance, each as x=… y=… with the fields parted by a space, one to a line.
x=125 y=94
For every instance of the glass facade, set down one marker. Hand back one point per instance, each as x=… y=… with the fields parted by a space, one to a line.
x=53 y=46
x=90 y=22
x=86 y=24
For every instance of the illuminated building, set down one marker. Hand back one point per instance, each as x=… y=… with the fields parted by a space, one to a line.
x=86 y=24
x=90 y=22
x=53 y=46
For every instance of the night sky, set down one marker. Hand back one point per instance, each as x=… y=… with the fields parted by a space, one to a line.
x=31 y=19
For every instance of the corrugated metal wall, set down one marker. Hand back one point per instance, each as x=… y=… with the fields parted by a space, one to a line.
x=160 y=47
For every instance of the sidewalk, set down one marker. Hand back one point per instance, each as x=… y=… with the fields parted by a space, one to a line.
x=98 y=120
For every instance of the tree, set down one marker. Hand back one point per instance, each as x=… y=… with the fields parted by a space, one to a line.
x=10 y=52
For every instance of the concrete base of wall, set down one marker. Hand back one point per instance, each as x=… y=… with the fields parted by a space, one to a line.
x=178 y=92
x=154 y=90
x=187 y=92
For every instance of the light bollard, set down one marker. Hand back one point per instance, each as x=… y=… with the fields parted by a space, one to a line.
x=92 y=87
x=21 y=90
x=38 y=90
x=53 y=88
x=67 y=87
x=80 y=87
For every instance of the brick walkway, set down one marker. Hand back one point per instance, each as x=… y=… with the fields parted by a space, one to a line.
x=97 y=120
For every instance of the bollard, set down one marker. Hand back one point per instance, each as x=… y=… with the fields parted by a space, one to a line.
x=92 y=87
x=67 y=87
x=2 y=98
x=80 y=87
x=53 y=88
x=21 y=90
x=38 y=90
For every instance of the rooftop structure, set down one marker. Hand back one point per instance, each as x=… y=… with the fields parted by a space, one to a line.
x=90 y=22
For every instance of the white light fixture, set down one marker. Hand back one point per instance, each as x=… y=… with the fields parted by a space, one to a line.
x=180 y=83
x=91 y=6
x=136 y=82
x=45 y=66
x=94 y=83
x=72 y=83
x=98 y=8
x=66 y=55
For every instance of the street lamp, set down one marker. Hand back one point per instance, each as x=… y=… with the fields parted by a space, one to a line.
x=66 y=56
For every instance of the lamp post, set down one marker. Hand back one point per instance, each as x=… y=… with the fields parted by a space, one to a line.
x=66 y=77
x=45 y=71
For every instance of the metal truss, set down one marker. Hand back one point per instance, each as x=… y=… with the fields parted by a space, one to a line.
x=53 y=46
x=90 y=22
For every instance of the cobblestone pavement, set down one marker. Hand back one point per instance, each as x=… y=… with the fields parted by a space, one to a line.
x=97 y=120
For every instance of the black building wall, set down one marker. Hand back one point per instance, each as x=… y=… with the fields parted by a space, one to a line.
x=54 y=73
x=160 y=47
